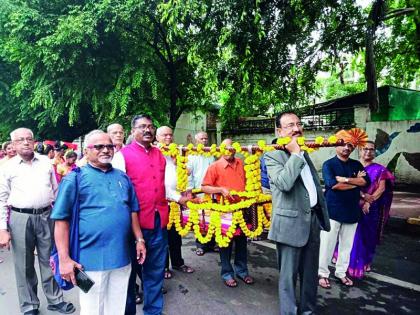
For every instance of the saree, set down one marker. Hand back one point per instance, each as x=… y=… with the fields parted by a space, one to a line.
x=370 y=229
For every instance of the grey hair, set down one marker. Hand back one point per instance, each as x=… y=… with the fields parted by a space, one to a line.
x=159 y=130
x=199 y=133
x=13 y=133
x=90 y=135
x=108 y=129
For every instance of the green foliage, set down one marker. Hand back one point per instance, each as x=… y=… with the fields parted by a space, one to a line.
x=73 y=65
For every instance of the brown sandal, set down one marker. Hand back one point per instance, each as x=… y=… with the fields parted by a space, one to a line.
x=346 y=281
x=231 y=283
x=184 y=269
x=247 y=279
x=324 y=283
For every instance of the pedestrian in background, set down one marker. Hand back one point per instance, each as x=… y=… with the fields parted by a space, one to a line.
x=10 y=151
x=116 y=132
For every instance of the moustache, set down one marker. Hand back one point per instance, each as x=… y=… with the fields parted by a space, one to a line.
x=105 y=156
x=147 y=134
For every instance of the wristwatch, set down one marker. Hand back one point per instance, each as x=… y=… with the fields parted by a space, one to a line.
x=139 y=240
x=346 y=180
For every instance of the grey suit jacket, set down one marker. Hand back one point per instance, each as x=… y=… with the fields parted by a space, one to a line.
x=291 y=216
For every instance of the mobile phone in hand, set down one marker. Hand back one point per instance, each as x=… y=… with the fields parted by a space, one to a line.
x=83 y=281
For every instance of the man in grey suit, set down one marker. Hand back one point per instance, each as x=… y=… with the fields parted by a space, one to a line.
x=299 y=212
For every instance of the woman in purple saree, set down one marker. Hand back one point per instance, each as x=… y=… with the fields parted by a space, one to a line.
x=376 y=203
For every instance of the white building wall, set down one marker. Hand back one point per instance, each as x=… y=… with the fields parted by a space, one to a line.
x=187 y=126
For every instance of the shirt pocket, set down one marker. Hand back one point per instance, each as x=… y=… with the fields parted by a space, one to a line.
x=288 y=213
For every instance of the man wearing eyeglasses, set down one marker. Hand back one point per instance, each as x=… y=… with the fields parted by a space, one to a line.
x=299 y=212
x=108 y=210
x=28 y=187
x=145 y=165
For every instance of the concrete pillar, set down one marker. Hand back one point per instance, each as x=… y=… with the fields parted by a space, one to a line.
x=361 y=116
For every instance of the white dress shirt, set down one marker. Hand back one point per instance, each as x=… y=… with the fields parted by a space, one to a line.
x=26 y=185
x=118 y=160
x=308 y=181
x=171 y=180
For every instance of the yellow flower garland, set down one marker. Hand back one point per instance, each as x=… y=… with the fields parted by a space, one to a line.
x=251 y=196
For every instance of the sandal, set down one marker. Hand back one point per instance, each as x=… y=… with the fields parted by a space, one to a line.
x=63 y=307
x=324 y=283
x=168 y=274
x=199 y=252
x=247 y=279
x=184 y=269
x=231 y=283
x=346 y=281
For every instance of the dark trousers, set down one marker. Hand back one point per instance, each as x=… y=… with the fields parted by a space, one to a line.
x=174 y=244
x=136 y=268
x=154 y=267
x=241 y=258
x=302 y=261
x=206 y=247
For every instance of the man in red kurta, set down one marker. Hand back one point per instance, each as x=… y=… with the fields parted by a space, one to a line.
x=145 y=165
x=224 y=175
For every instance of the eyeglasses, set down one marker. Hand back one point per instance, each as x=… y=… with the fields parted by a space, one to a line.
x=368 y=149
x=21 y=140
x=100 y=147
x=144 y=127
x=291 y=125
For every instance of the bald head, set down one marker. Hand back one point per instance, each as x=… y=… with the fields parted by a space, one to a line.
x=202 y=137
x=164 y=135
x=228 y=142
x=231 y=156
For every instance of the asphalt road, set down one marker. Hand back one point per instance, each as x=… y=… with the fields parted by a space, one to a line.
x=392 y=288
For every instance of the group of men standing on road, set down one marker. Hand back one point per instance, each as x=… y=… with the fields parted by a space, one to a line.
x=129 y=192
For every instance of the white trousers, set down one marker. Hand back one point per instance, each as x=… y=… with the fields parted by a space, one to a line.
x=345 y=233
x=109 y=293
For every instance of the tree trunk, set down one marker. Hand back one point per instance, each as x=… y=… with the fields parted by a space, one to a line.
x=174 y=110
x=376 y=14
x=370 y=71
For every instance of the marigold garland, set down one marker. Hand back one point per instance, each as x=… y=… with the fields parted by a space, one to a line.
x=251 y=196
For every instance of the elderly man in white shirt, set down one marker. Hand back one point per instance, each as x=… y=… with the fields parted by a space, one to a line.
x=28 y=188
x=164 y=135
x=116 y=132
x=197 y=166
